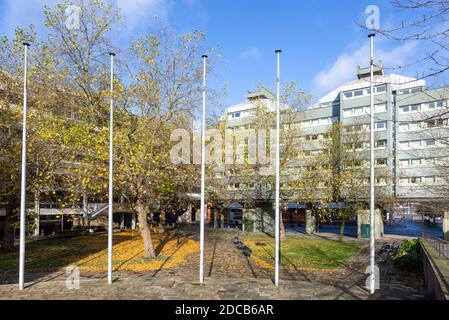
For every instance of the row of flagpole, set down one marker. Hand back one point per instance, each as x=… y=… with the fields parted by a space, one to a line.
x=23 y=177
x=203 y=172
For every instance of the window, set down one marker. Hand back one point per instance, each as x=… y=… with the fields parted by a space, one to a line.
x=381 y=162
x=415 y=162
x=431 y=124
x=415 y=144
x=429 y=180
x=381 y=89
x=324 y=121
x=405 y=109
x=440 y=104
x=414 y=107
x=414 y=126
x=358 y=93
x=411 y=90
x=380 y=108
x=236 y=115
x=234 y=186
x=380 y=125
x=347 y=112
x=381 y=143
x=404 y=163
x=348 y=95
x=358 y=111
x=415 y=180
x=430 y=142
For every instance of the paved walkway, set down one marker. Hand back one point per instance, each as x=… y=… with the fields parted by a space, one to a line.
x=229 y=275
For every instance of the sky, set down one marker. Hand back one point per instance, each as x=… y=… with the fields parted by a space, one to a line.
x=322 y=41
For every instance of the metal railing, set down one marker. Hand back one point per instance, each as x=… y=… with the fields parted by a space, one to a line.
x=440 y=246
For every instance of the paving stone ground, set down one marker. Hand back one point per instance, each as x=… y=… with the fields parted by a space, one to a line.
x=228 y=275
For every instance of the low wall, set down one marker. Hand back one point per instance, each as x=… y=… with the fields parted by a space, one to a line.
x=436 y=273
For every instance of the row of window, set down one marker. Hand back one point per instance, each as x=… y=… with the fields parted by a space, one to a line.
x=364 y=92
x=417 y=162
x=421 y=180
x=241 y=186
x=234 y=115
x=416 y=144
x=361 y=145
x=318 y=122
x=378 y=126
x=405 y=181
x=409 y=90
x=422 y=125
x=365 y=110
x=380 y=162
x=422 y=107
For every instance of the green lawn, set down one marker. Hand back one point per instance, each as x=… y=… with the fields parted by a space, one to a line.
x=303 y=252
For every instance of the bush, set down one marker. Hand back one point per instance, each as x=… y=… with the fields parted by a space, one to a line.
x=408 y=255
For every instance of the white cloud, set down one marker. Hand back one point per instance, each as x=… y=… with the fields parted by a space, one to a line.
x=143 y=14
x=344 y=68
x=251 y=53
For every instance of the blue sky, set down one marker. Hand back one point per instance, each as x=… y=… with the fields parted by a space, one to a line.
x=321 y=41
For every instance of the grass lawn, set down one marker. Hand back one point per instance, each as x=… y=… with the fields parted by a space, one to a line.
x=90 y=253
x=302 y=253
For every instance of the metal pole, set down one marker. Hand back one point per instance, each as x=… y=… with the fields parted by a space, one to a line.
x=277 y=213
x=111 y=166
x=23 y=178
x=203 y=172
x=372 y=177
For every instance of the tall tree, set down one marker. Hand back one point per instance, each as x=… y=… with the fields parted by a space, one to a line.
x=163 y=97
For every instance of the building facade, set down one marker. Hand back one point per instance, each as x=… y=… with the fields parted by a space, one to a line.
x=411 y=132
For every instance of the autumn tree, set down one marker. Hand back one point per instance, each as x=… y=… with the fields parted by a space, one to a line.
x=252 y=178
x=42 y=157
x=163 y=96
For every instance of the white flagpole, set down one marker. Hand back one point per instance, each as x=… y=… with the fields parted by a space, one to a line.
x=111 y=167
x=372 y=177
x=203 y=172
x=23 y=178
x=277 y=213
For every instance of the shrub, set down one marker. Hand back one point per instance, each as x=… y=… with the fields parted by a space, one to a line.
x=408 y=255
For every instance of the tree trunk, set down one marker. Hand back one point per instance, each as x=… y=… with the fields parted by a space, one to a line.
x=215 y=212
x=342 y=230
x=8 y=231
x=281 y=227
x=145 y=230
x=162 y=221
x=222 y=218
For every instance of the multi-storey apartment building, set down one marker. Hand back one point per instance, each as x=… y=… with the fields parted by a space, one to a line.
x=411 y=130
